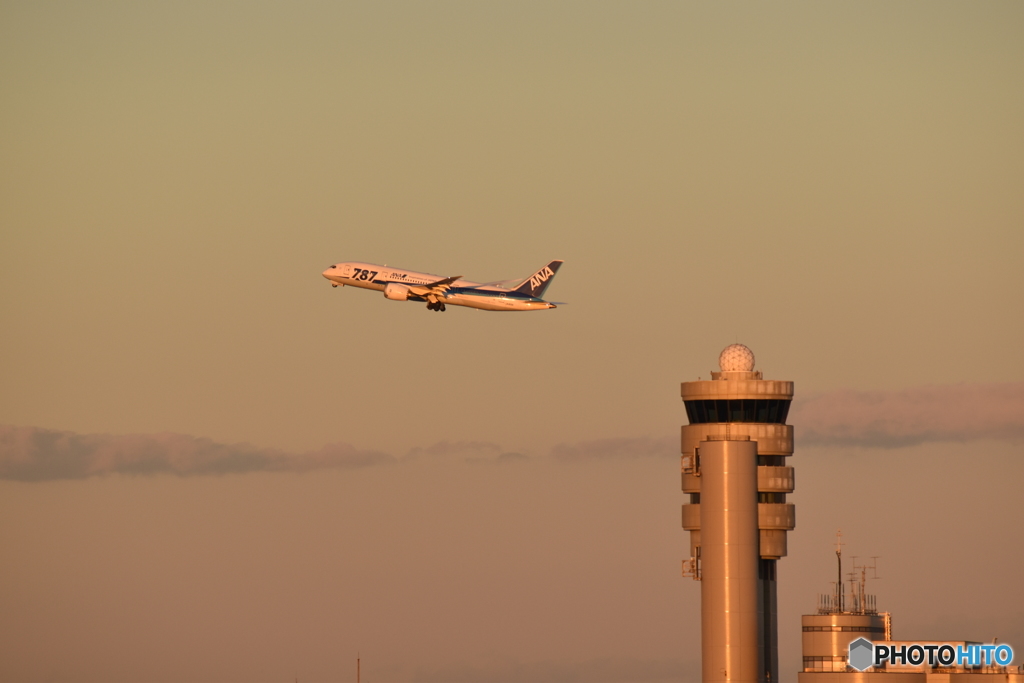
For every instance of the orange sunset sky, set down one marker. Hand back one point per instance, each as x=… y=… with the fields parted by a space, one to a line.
x=216 y=468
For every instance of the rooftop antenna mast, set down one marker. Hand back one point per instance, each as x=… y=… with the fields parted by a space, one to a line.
x=840 y=589
x=865 y=601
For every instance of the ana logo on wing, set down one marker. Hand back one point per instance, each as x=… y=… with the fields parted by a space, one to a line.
x=541 y=277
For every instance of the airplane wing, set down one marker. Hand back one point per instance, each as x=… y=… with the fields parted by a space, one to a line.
x=497 y=283
x=444 y=282
x=434 y=289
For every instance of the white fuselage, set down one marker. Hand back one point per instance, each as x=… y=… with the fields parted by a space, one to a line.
x=411 y=285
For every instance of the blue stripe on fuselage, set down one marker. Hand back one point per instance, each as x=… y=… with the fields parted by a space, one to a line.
x=508 y=294
x=467 y=291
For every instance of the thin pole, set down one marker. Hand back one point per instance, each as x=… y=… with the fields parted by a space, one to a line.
x=839 y=576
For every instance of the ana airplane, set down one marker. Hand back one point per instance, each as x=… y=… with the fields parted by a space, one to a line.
x=408 y=285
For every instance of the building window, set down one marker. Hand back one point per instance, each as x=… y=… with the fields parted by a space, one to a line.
x=824 y=663
x=846 y=629
x=771 y=497
x=771 y=411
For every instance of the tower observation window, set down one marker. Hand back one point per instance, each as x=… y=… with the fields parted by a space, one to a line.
x=737 y=410
x=771 y=497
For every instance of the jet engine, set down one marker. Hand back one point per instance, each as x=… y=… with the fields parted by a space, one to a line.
x=396 y=292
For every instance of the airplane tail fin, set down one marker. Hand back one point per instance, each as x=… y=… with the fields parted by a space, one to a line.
x=537 y=284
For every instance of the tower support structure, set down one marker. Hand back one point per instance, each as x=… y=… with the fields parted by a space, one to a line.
x=729 y=553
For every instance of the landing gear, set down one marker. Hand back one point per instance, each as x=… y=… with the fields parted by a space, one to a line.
x=334 y=284
x=435 y=306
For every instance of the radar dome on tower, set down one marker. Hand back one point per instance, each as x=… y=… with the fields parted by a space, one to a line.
x=736 y=358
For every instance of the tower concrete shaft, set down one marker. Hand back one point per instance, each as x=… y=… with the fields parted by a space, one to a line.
x=729 y=557
x=737 y=412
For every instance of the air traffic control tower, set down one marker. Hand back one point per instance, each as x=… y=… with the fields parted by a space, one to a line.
x=734 y=471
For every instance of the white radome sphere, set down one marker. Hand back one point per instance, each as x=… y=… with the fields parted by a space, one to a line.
x=736 y=358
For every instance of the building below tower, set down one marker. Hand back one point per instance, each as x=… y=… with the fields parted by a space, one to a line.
x=846 y=618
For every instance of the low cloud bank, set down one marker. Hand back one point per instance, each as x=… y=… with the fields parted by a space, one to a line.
x=36 y=454
x=468 y=450
x=907 y=417
x=624 y=447
x=885 y=419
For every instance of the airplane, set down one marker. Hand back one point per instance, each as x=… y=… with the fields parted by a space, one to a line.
x=408 y=285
